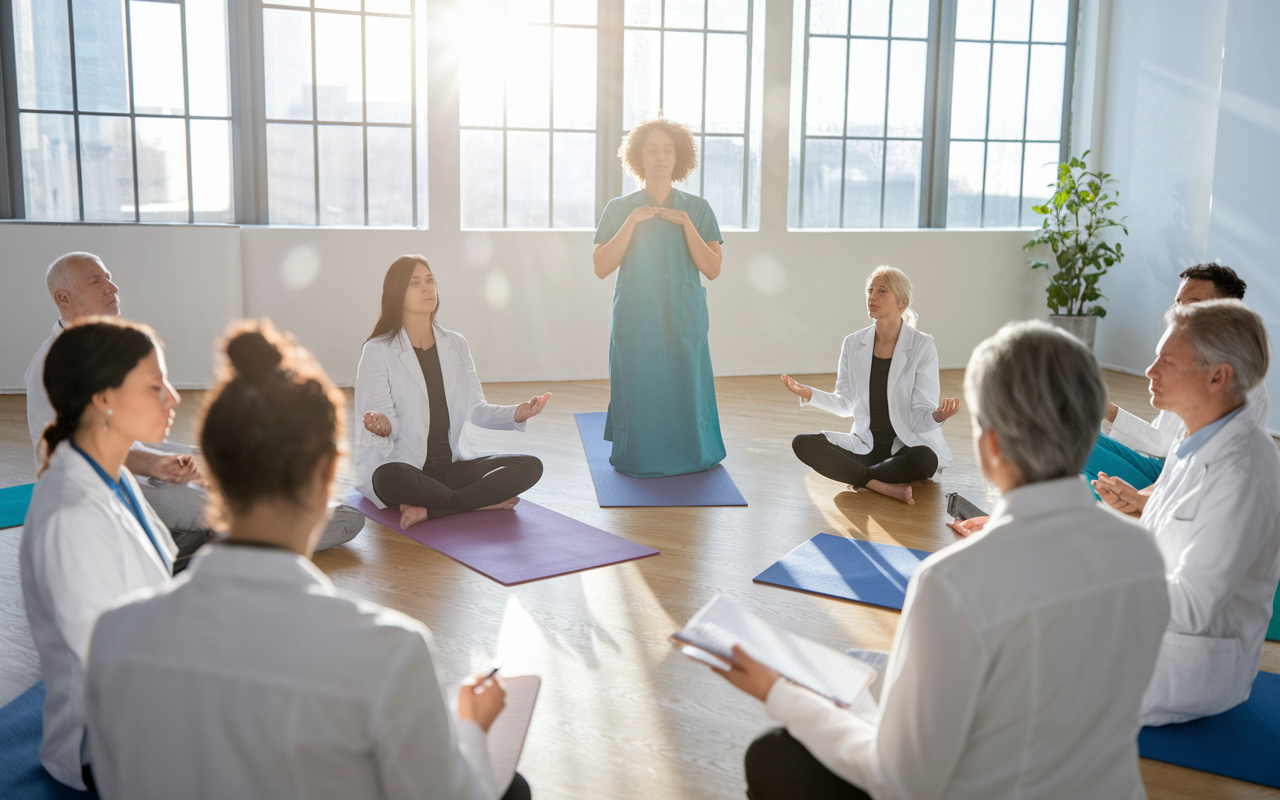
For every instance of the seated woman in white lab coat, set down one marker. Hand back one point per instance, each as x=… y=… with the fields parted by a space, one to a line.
x=887 y=381
x=1022 y=653
x=251 y=676
x=416 y=389
x=1214 y=512
x=90 y=536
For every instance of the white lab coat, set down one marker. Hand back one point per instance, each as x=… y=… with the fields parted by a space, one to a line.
x=1215 y=516
x=389 y=381
x=1018 y=666
x=913 y=394
x=81 y=550
x=40 y=413
x=1156 y=437
x=251 y=677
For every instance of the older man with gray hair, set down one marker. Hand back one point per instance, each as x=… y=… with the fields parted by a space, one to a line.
x=1214 y=513
x=1023 y=651
x=170 y=475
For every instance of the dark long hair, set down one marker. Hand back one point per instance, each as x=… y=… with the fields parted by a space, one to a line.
x=92 y=355
x=394 y=286
x=271 y=420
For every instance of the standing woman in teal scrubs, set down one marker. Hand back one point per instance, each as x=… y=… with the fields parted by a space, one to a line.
x=662 y=399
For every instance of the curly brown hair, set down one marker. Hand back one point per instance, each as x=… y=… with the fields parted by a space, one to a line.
x=633 y=144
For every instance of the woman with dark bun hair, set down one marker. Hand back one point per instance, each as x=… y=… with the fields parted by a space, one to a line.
x=662 y=242
x=252 y=676
x=416 y=389
x=90 y=536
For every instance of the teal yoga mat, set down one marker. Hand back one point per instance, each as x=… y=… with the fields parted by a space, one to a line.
x=13 y=504
x=1273 y=633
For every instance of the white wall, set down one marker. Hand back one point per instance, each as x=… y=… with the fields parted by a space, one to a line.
x=526 y=300
x=1242 y=226
x=1161 y=67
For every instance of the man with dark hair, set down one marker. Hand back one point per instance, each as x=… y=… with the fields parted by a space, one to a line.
x=1136 y=449
x=1224 y=279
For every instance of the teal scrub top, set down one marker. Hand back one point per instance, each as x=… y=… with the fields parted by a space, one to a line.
x=662 y=397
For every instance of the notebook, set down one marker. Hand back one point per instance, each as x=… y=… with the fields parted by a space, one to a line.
x=509 y=728
x=721 y=624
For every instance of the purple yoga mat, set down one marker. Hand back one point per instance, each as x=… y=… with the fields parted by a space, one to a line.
x=527 y=543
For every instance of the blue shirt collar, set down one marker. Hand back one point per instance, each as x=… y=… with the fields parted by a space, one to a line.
x=1197 y=440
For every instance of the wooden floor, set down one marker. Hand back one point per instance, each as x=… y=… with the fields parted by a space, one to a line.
x=622 y=715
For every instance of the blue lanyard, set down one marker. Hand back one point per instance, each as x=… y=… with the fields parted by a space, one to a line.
x=125 y=493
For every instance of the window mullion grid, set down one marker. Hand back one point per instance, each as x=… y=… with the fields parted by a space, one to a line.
x=986 y=126
x=364 y=112
x=884 y=145
x=1026 y=97
x=75 y=106
x=844 y=116
x=804 y=113
x=133 y=112
x=413 y=114
x=746 y=119
x=702 y=173
x=551 y=117
x=186 y=112
x=315 y=122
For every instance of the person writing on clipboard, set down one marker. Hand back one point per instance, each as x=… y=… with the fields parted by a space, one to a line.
x=251 y=676
x=1023 y=651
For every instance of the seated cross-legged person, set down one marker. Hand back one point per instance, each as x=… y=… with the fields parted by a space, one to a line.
x=89 y=534
x=170 y=475
x=416 y=389
x=1214 y=513
x=887 y=381
x=251 y=676
x=1135 y=449
x=1023 y=652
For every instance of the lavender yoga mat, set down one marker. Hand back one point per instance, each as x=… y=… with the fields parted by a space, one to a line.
x=527 y=543
x=712 y=487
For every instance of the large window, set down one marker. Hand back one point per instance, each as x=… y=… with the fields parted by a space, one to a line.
x=910 y=113
x=699 y=62
x=124 y=110
x=345 y=135
x=528 y=113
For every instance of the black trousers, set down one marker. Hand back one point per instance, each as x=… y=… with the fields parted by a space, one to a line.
x=519 y=789
x=780 y=768
x=460 y=486
x=832 y=461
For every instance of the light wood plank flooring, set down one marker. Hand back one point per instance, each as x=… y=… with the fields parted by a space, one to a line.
x=622 y=715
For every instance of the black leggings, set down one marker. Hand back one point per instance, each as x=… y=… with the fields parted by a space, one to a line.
x=460 y=486
x=908 y=464
x=780 y=768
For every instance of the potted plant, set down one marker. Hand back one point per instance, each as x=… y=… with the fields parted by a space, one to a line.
x=1074 y=220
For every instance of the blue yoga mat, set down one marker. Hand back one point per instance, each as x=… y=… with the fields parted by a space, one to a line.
x=848 y=569
x=713 y=487
x=13 y=504
x=1243 y=743
x=21 y=776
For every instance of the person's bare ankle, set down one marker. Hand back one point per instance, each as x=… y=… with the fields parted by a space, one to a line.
x=411 y=515
x=501 y=506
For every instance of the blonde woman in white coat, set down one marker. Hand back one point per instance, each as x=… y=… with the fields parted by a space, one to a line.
x=90 y=536
x=1214 y=512
x=888 y=382
x=416 y=388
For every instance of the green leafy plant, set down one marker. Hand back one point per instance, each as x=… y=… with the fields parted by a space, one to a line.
x=1075 y=218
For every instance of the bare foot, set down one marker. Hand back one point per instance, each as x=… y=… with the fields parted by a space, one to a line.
x=852 y=488
x=411 y=515
x=506 y=504
x=900 y=491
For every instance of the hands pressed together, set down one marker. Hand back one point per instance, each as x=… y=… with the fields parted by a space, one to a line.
x=642 y=213
x=184 y=468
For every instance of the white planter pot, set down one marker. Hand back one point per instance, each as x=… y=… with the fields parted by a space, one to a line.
x=1083 y=328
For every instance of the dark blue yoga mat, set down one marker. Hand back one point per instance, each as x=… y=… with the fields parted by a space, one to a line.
x=21 y=776
x=848 y=569
x=13 y=504
x=1243 y=743
x=712 y=487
